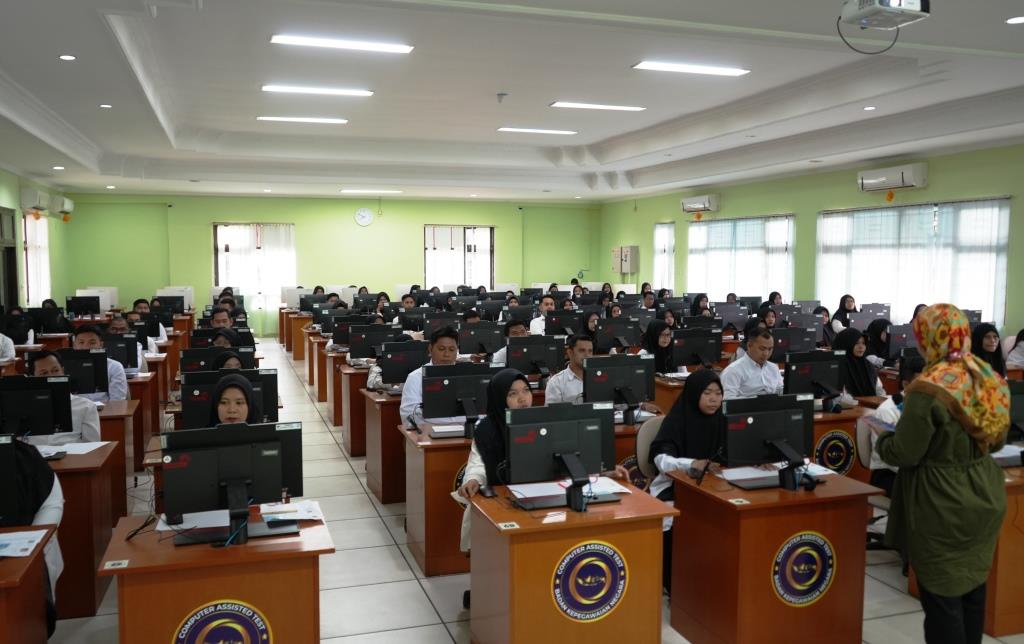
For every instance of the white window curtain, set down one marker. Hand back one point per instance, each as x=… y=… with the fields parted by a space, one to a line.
x=751 y=256
x=37 y=259
x=665 y=256
x=259 y=259
x=455 y=255
x=921 y=254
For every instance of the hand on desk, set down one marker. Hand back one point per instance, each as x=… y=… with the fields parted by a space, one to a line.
x=469 y=489
x=650 y=408
x=619 y=472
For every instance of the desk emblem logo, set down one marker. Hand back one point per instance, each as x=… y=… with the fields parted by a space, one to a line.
x=836 y=451
x=636 y=477
x=224 y=620
x=460 y=477
x=803 y=569
x=589 y=582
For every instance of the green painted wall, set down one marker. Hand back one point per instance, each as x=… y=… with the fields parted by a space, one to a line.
x=984 y=173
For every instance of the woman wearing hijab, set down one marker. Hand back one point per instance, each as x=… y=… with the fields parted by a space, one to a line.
x=663 y=293
x=950 y=497
x=657 y=342
x=227 y=338
x=700 y=305
x=688 y=440
x=878 y=342
x=918 y=309
x=856 y=375
x=841 y=319
x=227 y=360
x=590 y=324
x=234 y=401
x=828 y=334
x=985 y=344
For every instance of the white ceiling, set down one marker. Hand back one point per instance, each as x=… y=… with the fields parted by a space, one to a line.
x=184 y=78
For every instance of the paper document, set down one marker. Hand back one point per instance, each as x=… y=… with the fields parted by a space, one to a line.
x=1008 y=451
x=461 y=500
x=294 y=511
x=20 y=544
x=818 y=470
x=74 y=448
x=197 y=520
x=598 y=485
x=748 y=473
x=681 y=375
x=640 y=416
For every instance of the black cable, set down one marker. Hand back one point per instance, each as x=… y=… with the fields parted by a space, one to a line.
x=861 y=51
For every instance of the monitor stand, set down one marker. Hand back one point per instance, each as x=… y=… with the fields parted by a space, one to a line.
x=632 y=401
x=574 y=496
x=472 y=414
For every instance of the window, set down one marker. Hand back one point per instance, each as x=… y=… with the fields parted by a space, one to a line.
x=752 y=256
x=259 y=259
x=37 y=259
x=454 y=255
x=665 y=256
x=949 y=252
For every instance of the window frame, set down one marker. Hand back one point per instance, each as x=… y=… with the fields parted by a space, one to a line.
x=464 y=228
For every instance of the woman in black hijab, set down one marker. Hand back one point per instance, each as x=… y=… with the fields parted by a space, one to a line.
x=856 y=375
x=226 y=338
x=221 y=361
x=657 y=342
x=689 y=439
x=985 y=344
x=234 y=401
x=847 y=305
x=878 y=342
x=828 y=334
x=700 y=305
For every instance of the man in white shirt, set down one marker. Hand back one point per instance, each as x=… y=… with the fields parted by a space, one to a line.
x=547 y=304
x=88 y=338
x=6 y=348
x=566 y=386
x=408 y=304
x=85 y=419
x=141 y=306
x=220 y=318
x=752 y=375
x=119 y=326
x=444 y=350
x=513 y=329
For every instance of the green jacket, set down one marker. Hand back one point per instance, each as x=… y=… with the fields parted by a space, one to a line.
x=949 y=500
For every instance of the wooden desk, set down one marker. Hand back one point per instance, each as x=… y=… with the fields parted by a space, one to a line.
x=183 y=324
x=353 y=411
x=890 y=380
x=84 y=529
x=143 y=388
x=665 y=393
x=288 y=315
x=22 y=351
x=116 y=420
x=307 y=338
x=53 y=341
x=729 y=346
x=162 y=586
x=513 y=569
x=871 y=402
x=177 y=340
x=23 y=593
x=321 y=369
x=433 y=520
x=335 y=363
x=817 y=537
x=297 y=322
x=281 y=312
x=1014 y=374
x=153 y=462
x=385 y=447
x=12 y=366
x=158 y=364
x=835 y=442
x=90 y=320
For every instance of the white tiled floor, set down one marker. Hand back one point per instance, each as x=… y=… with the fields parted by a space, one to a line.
x=372 y=591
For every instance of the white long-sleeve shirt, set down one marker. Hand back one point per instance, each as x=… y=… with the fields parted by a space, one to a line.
x=564 y=387
x=1016 y=357
x=537 y=326
x=746 y=379
x=846 y=400
x=889 y=413
x=412 y=402
x=51 y=513
x=500 y=357
x=117 y=384
x=665 y=464
x=6 y=348
x=475 y=471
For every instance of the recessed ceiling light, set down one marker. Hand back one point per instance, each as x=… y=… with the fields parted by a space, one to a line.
x=67 y=57
x=111 y=187
x=472 y=195
x=687 y=68
x=595 y=106
x=267 y=190
x=327 y=91
x=1019 y=20
x=302 y=119
x=336 y=43
x=530 y=130
x=870 y=108
x=58 y=167
x=361 y=191
x=106 y=106
x=577 y=197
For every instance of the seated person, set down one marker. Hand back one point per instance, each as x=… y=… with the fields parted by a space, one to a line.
x=547 y=304
x=119 y=326
x=686 y=440
x=877 y=335
x=752 y=375
x=1015 y=356
x=470 y=316
x=986 y=345
x=7 y=348
x=568 y=305
x=89 y=337
x=234 y=401
x=841 y=319
x=856 y=375
x=700 y=306
x=767 y=316
x=615 y=311
x=62 y=324
x=18 y=326
x=512 y=329
x=85 y=419
x=566 y=386
x=226 y=337
x=408 y=304
x=444 y=350
x=828 y=334
x=657 y=342
x=749 y=329
x=220 y=318
x=731 y=299
x=333 y=301
x=141 y=306
x=227 y=360
x=648 y=300
x=39 y=501
x=883 y=475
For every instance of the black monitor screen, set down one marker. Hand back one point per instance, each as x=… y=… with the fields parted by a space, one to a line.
x=87 y=369
x=702 y=322
x=809 y=321
x=35 y=406
x=749 y=432
x=739 y=408
x=123 y=348
x=537 y=435
x=1017 y=402
x=618 y=379
x=83 y=305
x=814 y=372
x=434 y=322
x=399 y=359
x=536 y=354
x=792 y=341
x=171 y=303
x=481 y=337
x=562 y=322
x=365 y=341
x=306 y=302
x=203 y=359
x=616 y=333
x=752 y=302
x=456 y=390
x=343 y=325
x=901 y=337
x=696 y=347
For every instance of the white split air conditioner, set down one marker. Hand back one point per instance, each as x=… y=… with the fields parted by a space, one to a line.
x=32 y=199
x=701 y=203
x=884 y=14
x=914 y=175
x=62 y=205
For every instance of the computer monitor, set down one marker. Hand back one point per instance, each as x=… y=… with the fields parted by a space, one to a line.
x=461 y=303
x=481 y=337
x=558 y=441
x=619 y=379
x=768 y=429
x=203 y=359
x=123 y=348
x=523 y=313
x=587 y=299
x=198 y=386
x=877 y=310
x=616 y=333
x=465 y=290
x=9 y=501
x=457 y=390
x=562 y=322
x=702 y=322
x=807 y=306
x=83 y=305
x=229 y=467
x=87 y=369
x=491 y=310
x=343 y=325
x=901 y=336
x=290 y=295
x=787 y=311
x=643 y=317
x=306 y=302
x=175 y=304
x=860 y=321
x=434 y=322
x=47 y=320
x=325 y=318
x=814 y=372
x=792 y=340
x=204 y=337
x=675 y=304
x=398 y=359
x=734 y=318
x=364 y=341
x=720 y=308
x=532 y=295
x=811 y=322
x=412 y=319
x=696 y=347
x=536 y=354
x=1016 y=407
x=634 y=299
x=752 y=302
x=35 y=406
x=494 y=296
x=973 y=317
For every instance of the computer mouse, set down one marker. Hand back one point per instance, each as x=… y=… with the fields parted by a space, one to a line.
x=488 y=492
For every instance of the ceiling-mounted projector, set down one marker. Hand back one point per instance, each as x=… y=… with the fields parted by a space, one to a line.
x=884 y=14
